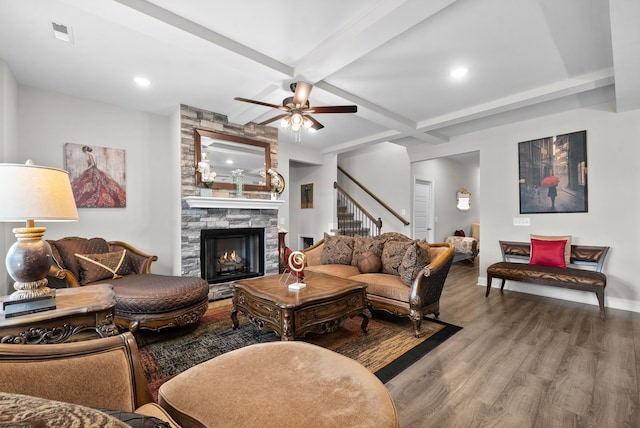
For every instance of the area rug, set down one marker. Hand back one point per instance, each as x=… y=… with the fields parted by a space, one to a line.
x=388 y=347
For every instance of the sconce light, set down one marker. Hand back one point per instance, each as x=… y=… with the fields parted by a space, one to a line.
x=31 y=193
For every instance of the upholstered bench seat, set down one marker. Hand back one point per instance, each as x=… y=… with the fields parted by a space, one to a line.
x=279 y=384
x=546 y=275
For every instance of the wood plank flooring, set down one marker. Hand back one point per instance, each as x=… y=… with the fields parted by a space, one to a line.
x=523 y=361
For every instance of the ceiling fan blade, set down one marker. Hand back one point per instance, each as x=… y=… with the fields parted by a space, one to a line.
x=332 y=109
x=316 y=125
x=301 y=96
x=273 y=119
x=260 y=103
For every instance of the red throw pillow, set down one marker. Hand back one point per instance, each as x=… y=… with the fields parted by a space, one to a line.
x=459 y=233
x=548 y=253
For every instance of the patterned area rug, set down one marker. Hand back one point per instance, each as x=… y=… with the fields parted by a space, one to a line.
x=388 y=348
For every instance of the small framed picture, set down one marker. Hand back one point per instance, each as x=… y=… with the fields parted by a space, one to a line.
x=306 y=195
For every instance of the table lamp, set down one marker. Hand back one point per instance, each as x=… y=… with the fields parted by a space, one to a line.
x=32 y=193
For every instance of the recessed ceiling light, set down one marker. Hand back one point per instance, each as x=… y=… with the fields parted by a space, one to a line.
x=229 y=162
x=459 y=72
x=141 y=81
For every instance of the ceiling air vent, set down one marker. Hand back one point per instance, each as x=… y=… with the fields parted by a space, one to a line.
x=62 y=32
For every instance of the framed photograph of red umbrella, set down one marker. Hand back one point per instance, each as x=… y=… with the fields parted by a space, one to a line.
x=553 y=174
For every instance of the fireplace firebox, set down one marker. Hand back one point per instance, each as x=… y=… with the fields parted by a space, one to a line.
x=231 y=254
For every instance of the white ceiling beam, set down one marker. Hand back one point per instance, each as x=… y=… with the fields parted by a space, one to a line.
x=625 y=41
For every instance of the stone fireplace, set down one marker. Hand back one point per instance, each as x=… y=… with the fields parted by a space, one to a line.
x=231 y=254
x=255 y=210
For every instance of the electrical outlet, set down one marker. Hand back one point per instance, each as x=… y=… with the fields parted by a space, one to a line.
x=521 y=221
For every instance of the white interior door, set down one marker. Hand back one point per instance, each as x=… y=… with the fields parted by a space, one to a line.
x=423 y=210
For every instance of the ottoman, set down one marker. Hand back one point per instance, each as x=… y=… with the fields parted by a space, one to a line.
x=278 y=384
x=157 y=301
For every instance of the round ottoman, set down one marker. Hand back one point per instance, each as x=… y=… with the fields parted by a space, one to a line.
x=278 y=384
x=157 y=301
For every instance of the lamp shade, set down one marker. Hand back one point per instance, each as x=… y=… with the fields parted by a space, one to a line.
x=31 y=192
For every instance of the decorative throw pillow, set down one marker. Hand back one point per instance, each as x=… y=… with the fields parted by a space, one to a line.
x=337 y=250
x=70 y=246
x=392 y=255
x=547 y=253
x=567 y=247
x=416 y=258
x=137 y=420
x=95 y=267
x=366 y=244
x=459 y=232
x=369 y=262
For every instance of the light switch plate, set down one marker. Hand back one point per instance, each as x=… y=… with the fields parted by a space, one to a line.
x=521 y=221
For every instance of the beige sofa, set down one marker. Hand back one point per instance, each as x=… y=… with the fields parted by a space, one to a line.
x=404 y=277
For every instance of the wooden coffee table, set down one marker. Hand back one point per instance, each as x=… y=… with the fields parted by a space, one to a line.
x=81 y=313
x=320 y=307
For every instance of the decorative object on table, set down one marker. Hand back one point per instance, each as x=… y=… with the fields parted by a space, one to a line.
x=553 y=174
x=306 y=195
x=238 y=180
x=295 y=263
x=207 y=176
x=28 y=259
x=97 y=176
x=277 y=182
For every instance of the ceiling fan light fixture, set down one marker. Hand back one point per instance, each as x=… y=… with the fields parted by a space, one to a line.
x=284 y=122
x=296 y=119
x=307 y=123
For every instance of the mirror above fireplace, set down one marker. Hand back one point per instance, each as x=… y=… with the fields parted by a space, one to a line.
x=228 y=153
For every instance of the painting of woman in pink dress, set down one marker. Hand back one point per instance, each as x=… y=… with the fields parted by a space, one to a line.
x=97 y=176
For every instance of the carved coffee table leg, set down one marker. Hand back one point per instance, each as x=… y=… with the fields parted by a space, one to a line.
x=287 y=328
x=234 y=313
x=366 y=314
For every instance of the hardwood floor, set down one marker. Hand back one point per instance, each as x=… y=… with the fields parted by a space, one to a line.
x=523 y=361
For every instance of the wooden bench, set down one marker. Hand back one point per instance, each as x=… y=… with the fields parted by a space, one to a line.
x=515 y=267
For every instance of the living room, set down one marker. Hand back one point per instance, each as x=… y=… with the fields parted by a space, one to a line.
x=36 y=122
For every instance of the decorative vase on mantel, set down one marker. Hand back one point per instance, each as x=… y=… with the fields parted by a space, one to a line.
x=204 y=191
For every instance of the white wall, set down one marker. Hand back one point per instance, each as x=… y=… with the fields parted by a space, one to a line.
x=8 y=149
x=383 y=169
x=612 y=155
x=46 y=121
x=448 y=176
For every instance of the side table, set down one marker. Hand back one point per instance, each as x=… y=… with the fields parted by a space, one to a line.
x=79 y=311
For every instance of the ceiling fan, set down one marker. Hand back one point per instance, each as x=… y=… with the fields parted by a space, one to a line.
x=297 y=109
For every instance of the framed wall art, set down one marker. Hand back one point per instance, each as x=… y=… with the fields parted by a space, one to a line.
x=97 y=176
x=553 y=174
x=306 y=195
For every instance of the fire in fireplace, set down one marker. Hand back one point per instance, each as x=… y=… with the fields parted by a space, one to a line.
x=231 y=254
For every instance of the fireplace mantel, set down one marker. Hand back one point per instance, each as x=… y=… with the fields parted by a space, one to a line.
x=213 y=202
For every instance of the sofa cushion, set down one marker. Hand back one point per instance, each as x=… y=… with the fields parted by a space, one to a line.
x=366 y=244
x=94 y=267
x=69 y=247
x=416 y=258
x=382 y=284
x=392 y=255
x=337 y=249
x=369 y=263
x=341 y=271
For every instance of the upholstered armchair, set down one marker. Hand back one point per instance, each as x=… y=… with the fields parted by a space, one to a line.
x=143 y=299
x=80 y=377
x=466 y=247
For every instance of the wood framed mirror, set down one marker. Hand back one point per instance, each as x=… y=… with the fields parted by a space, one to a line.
x=227 y=153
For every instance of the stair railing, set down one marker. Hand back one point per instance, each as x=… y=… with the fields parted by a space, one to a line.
x=378 y=200
x=367 y=224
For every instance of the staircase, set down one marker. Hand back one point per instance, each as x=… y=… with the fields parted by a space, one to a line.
x=347 y=224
